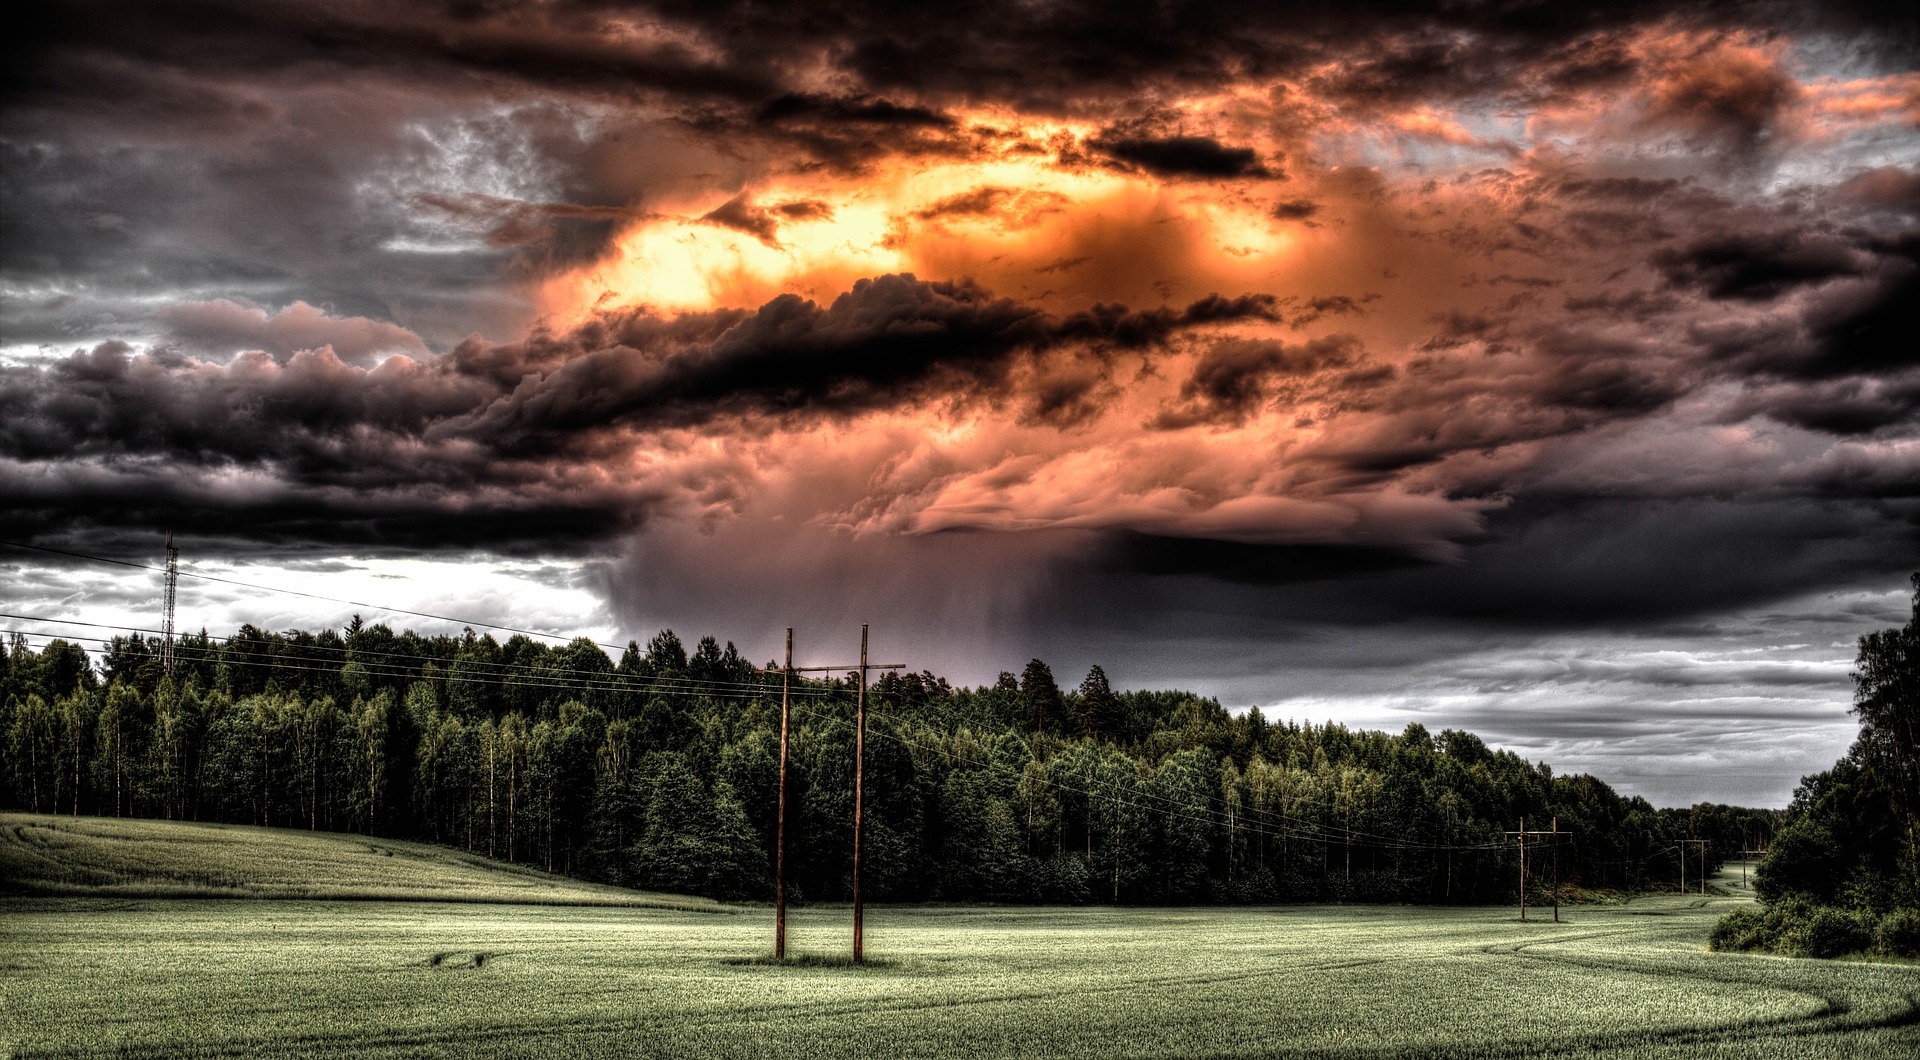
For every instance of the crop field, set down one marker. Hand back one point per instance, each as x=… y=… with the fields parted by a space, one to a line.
x=125 y=858
x=91 y=976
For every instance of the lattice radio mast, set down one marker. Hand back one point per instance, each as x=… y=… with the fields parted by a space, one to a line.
x=173 y=585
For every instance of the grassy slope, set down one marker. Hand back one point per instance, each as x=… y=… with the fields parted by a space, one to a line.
x=111 y=857
x=94 y=977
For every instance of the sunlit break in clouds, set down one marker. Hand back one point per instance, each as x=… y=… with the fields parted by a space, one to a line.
x=1538 y=370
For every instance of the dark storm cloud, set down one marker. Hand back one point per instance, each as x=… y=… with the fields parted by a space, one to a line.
x=1566 y=565
x=1601 y=375
x=739 y=214
x=844 y=134
x=482 y=430
x=1848 y=406
x=887 y=341
x=1235 y=377
x=116 y=517
x=742 y=214
x=1180 y=156
x=1433 y=61
x=1061 y=55
x=1756 y=267
x=902 y=60
x=1839 y=359
x=981 y=200
x=863 y=110
x=512 y=223
x=1313 y=309
x=1869 y=328
x=531 y=43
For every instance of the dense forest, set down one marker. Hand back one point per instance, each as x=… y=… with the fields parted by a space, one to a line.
x=660 y=770
x=1843 y=875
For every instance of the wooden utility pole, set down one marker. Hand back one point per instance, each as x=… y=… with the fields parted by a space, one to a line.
x=1744 y=855
x=1556 y=871
x=1523 y=867
x=1681 y=846
x=859 y=789
x=859 y=771
x=1522 y=835
x=780 y=830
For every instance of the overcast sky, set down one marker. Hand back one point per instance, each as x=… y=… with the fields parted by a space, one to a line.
x=1550 y=375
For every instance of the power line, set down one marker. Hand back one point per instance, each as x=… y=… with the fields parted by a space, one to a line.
x=1169 y=807
x=1312 y=831
x=687 y=686
x=627 y=681
x=1143 y=801
x=1377 y=840
x=394 y=671
x=1344 y=834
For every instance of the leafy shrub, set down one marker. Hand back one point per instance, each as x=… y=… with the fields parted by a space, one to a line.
x=1742 y=929
x=1798 y=928
x=1252 y=888
x=1898 y=934
x=1299 y=887
x=1829 y=932
x=1064 y=879
x=1377 y=885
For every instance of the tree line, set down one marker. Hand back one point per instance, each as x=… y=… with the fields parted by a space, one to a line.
x=660 y=770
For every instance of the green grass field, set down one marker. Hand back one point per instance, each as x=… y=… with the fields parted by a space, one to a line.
x=124 y=858
x=136 y=977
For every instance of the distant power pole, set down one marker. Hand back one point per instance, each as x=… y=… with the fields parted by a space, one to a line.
x=1680 y=845
x=173 y=586
x=1522 y=835
x=859 y=771
x=1749 y=852
x=1556 y=869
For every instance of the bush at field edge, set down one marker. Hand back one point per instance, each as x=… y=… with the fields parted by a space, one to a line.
x=1796 y=927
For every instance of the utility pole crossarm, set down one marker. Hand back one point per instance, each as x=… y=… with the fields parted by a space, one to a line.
x=1522 y=835
x=1680 y=844
x=849 y=668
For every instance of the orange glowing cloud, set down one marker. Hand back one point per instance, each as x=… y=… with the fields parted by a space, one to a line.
x=1026 y=214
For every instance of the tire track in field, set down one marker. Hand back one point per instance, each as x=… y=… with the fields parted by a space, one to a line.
x=1836 y=1015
